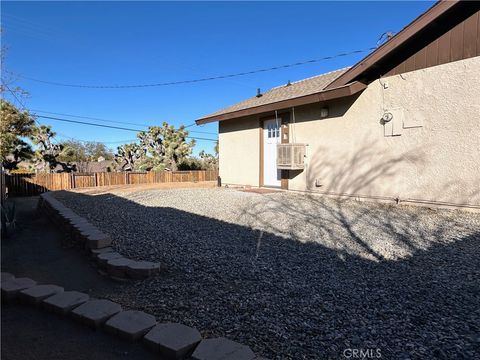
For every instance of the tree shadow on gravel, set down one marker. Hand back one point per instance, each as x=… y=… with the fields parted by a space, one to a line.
x=289 y=298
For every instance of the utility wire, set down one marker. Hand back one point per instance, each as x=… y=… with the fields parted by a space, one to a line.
x=109 y=126
x=89 y=118
x=96 y=141
x=113 y=121
x=88 y=123
x=197 y=80
x=21 y=103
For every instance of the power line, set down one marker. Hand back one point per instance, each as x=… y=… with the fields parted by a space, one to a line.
x=88 y=123
x=21 y=103
x=89 y=118
x=109 y=126
x=95 y=141
x=91 y=124
x=113 y=121
x=198 y=80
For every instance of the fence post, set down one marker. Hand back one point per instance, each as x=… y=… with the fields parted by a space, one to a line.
x=72 y=180
x=95 y=179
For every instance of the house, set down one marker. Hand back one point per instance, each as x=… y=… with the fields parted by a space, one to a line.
x=403 y=124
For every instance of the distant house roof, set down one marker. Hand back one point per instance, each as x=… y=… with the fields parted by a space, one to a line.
x=98 y=166
x=89 y=166
x=346 y=82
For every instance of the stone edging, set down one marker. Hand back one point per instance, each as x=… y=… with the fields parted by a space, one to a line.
x=81 y=231
x=171 y=340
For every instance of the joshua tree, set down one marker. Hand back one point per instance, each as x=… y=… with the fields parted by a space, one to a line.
x=165 y=146
x=128 y=155
x=48 y=154
x=15 y=124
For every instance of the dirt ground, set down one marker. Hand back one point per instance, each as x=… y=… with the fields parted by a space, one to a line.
x=143 y=187
x=34 y=250
x=28 y=333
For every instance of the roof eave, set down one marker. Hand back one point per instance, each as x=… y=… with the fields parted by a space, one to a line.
x=390 y=46
x=324 y=95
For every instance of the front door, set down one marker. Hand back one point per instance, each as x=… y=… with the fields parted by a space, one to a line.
x=271 y=137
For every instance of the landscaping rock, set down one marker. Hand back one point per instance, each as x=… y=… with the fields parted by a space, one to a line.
x=130 y=324
x=142 y=269
x=222 y=349
x=68 y=214
x=300 y=276
x=173 y=341
x=65 y=302
x=90 y=229
x=12 y=287
x=81 y=225
x=96 y=252
x=105 y=257
x=36 y=294
x=96 y=312
x=98 y=240
x=6 y=276
x=118 y=267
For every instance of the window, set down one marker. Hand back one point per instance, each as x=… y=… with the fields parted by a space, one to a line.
x=273 y=131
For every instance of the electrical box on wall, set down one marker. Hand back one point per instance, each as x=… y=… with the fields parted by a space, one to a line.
x=412 y=121
x=392 y=121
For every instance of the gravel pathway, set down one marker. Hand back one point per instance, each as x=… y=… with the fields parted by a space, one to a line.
x=301 y=277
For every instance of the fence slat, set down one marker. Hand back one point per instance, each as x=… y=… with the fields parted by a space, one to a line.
x=34 y=184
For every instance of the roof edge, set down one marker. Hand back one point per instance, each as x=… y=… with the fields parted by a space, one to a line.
x=323 y=95
x=420 y=23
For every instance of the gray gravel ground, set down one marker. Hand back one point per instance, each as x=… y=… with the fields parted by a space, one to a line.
x=301 y=277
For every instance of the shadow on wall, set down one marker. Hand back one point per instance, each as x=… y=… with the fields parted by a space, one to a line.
x=365 y=170
x=293 y=292
x=336 y=109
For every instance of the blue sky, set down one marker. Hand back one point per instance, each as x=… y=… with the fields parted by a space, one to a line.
x=105 y=43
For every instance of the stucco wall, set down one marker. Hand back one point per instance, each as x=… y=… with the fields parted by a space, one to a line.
x=239 y=151
x=439 y=160
x=434 y=157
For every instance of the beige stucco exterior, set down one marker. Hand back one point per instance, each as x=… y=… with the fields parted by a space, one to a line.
x=239 y=152
x=433 y=157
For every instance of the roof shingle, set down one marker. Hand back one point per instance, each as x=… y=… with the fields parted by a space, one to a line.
x=285 y=92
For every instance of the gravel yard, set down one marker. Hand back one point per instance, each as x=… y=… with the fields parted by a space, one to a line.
x=301 y=277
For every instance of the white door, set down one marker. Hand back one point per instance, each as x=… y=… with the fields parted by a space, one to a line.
x=271 y=137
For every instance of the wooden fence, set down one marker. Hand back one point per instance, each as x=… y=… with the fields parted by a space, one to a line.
x=34 y=184
x=3 y=187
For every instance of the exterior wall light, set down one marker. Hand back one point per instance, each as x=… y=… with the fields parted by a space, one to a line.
x=323 y=112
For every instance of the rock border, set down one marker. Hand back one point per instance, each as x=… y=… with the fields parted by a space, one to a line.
x=81 y=232
x=170 y=340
